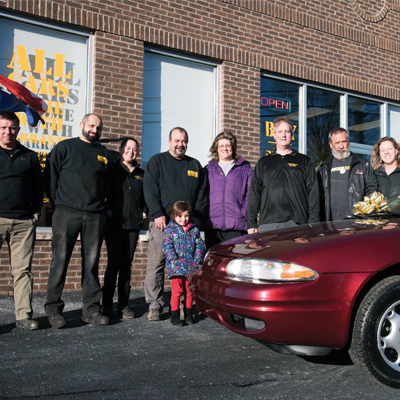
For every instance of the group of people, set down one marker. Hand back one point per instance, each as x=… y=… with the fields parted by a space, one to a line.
x=97 y=197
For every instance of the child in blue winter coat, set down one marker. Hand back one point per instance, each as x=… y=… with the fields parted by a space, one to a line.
x=184 y=250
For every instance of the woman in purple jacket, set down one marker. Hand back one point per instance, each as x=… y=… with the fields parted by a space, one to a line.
x=229 y=176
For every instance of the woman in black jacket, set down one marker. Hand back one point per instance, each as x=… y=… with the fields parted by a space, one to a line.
x=125 y=212
x=385 y=161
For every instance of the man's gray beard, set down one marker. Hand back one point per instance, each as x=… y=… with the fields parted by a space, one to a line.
x=342 y=155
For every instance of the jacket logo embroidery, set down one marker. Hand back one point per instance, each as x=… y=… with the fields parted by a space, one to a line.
x=102 y=159
x=139 y=177
x=342 y=169
x=359 y=172
x=292 y=165
x=193 y=173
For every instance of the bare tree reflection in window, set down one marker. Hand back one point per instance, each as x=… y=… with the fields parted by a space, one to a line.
x=323 y=114
x=364 y=120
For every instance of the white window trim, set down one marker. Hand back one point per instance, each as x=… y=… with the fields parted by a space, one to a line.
x=32 y=21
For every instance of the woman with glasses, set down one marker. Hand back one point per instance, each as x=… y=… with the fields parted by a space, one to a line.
x=229 y=177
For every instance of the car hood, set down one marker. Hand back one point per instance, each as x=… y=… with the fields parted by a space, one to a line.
x=338 y=246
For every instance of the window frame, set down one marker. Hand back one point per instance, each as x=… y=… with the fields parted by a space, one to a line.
x=46 y=230
x=199 y=60
x=344 y=94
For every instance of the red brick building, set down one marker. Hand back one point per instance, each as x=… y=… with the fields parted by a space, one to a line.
x=206 y=65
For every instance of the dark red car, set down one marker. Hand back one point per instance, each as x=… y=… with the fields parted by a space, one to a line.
x=312 y=288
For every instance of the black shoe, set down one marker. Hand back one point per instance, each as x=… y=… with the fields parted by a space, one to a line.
x=175 y=320
x=189 y=316
x=109 y=312
x=27 y=324
x=57 y=321
x=96 y=319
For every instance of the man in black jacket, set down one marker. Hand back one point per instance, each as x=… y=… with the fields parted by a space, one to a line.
x=21 y=198
x=169 y=177
x=345 y=178
x=77 y=180
x=284 y=187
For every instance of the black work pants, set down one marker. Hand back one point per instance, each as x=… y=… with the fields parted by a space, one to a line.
x=121 y=246
x=67 y=225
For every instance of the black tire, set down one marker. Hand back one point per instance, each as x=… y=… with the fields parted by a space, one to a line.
x=375 y=346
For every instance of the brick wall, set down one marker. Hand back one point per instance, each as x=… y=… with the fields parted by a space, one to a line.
x=340 y=43
x=349 y=44
x=118 y=84
x=240 y=107
x=41 y=265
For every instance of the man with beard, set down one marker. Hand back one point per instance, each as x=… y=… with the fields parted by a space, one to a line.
x=345 y=178
x=169 y=177
x=77 y=179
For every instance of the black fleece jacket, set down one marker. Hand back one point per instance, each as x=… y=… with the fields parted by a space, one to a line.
x=21 y=183
x=389 y=185
x=283 y=188
x=126 y=198
x=78 y=176
x=168 y=180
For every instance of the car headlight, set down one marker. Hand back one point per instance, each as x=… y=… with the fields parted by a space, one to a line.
x=258 y=271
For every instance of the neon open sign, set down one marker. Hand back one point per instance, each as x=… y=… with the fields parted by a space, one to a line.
x=277 y=104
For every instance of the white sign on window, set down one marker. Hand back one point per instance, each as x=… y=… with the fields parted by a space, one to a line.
x=53 y=65
x=178 y=92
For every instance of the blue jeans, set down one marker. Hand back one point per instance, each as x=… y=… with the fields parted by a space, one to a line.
x=67 y=225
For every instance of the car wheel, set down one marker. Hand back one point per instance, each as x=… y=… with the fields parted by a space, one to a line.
x=375 y=346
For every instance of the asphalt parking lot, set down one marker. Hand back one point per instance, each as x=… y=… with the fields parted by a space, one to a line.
x=138 y=359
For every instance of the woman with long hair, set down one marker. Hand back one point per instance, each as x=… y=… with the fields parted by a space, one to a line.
x=385 y=160
x=126 y=210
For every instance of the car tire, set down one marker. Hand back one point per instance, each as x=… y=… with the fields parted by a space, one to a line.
x=375 y=346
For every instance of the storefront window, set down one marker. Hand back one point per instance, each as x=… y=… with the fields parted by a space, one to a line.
x=323 y=114
x=53 y=64
x=364 y=119
x=178 y=92
x=278 y=98
x=394 y=122
x=315 y=111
